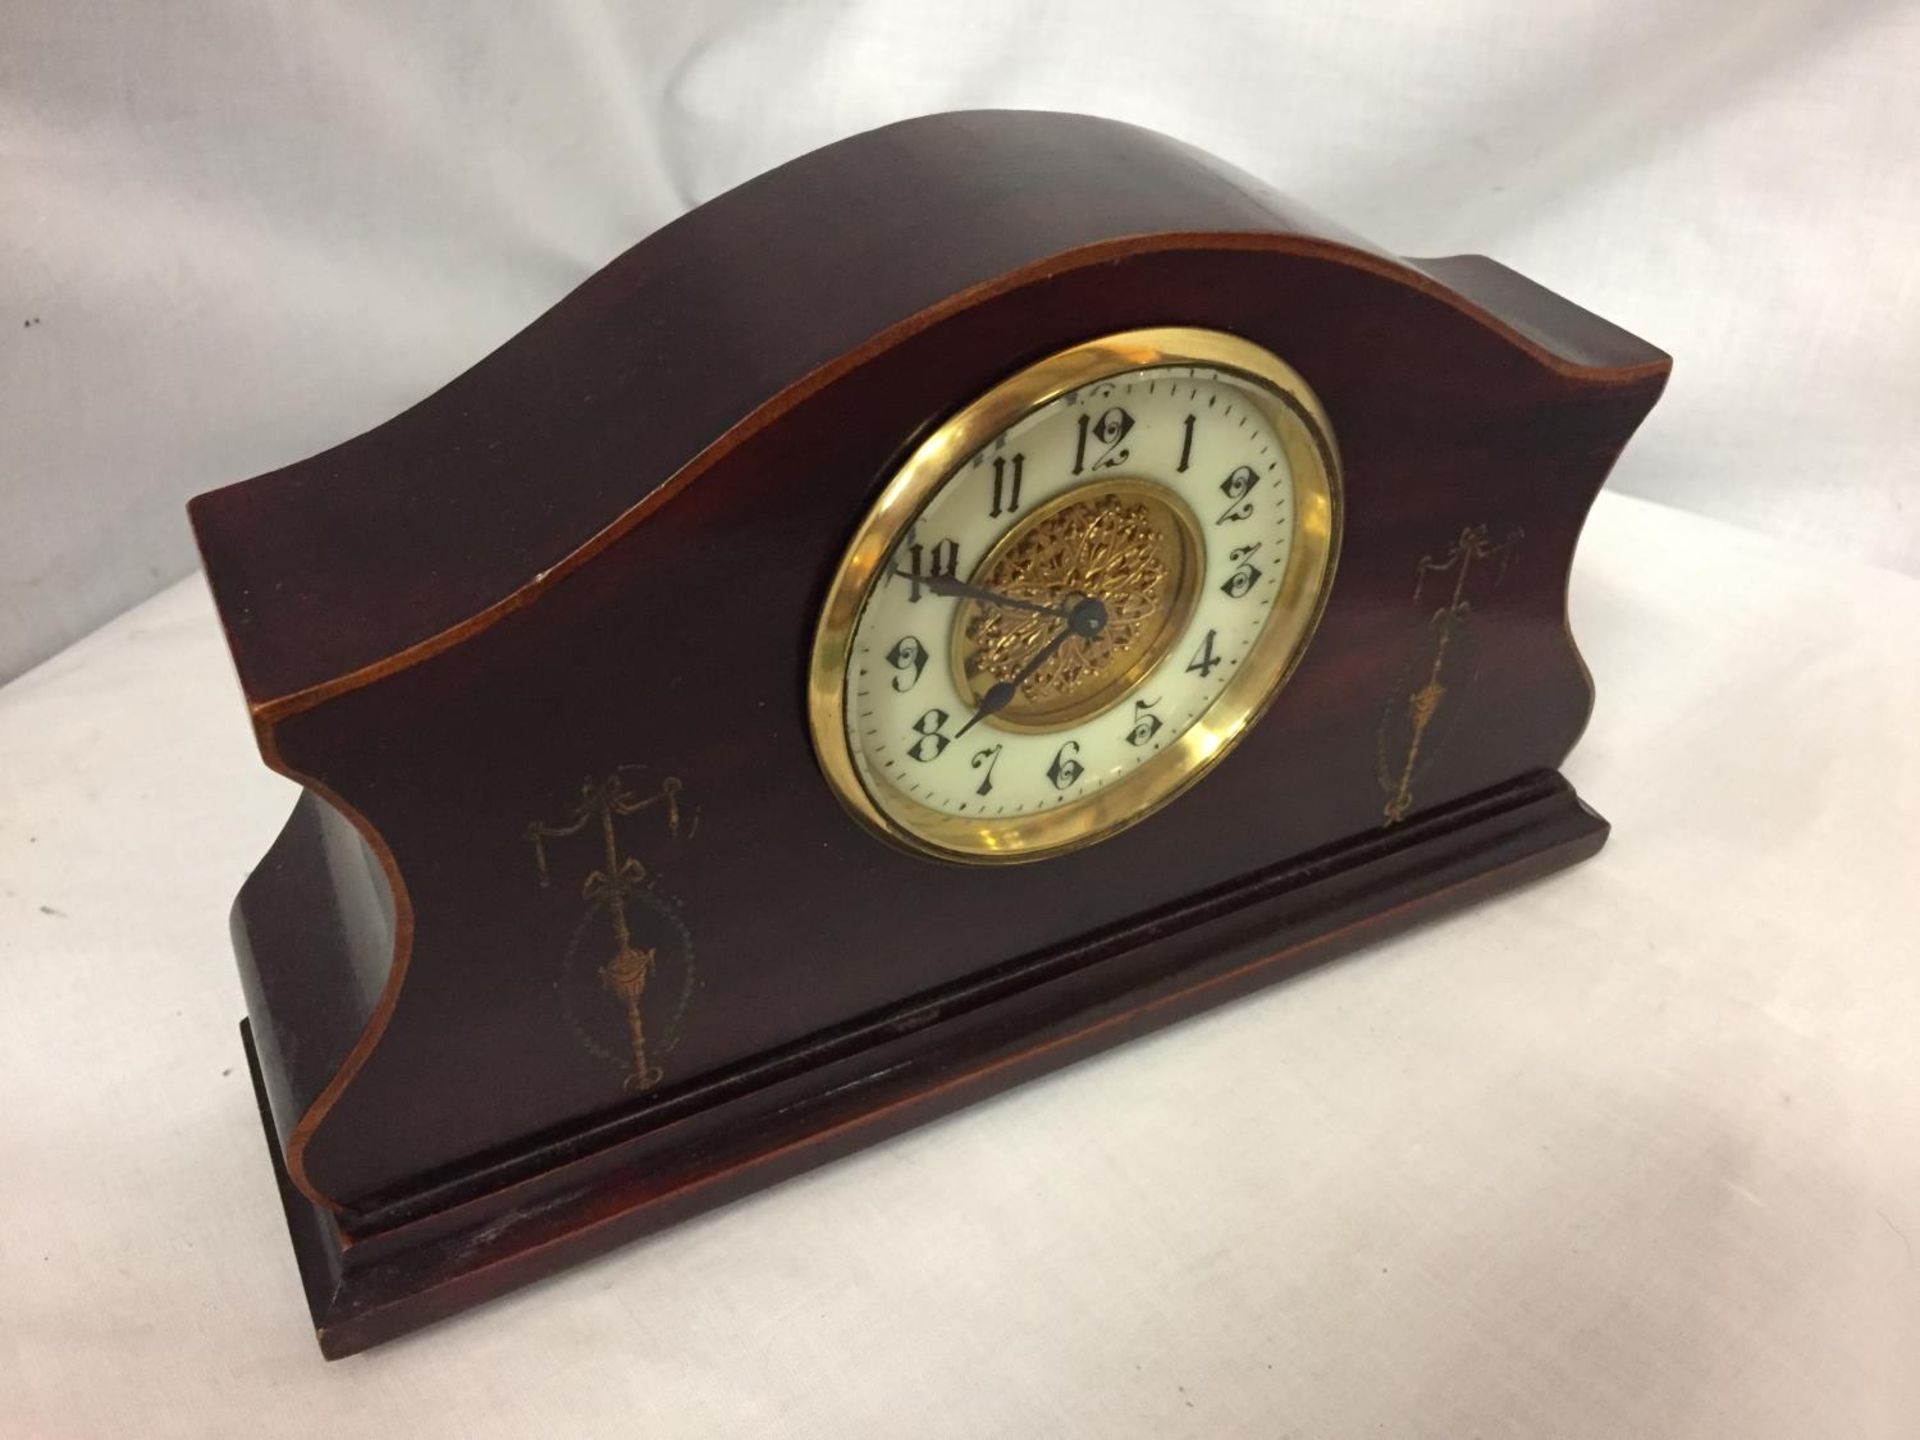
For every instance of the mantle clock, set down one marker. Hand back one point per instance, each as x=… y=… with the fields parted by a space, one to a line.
x=975 y=593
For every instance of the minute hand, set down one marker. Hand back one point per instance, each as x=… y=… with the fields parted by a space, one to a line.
x=960 y=590
x=1086 y=619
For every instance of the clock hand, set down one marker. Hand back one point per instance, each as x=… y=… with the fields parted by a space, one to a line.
x=1085 y=620
x=959 y=589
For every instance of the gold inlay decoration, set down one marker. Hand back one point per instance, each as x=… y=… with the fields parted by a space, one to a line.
x=612 y=886
x=1446 y=626
x=1132 y=545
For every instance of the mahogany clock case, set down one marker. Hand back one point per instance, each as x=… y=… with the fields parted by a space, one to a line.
x=537 y=648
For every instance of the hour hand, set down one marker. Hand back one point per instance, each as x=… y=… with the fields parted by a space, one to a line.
x=960 y=590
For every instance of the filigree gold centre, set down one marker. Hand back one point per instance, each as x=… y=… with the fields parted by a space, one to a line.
x=1126 y=545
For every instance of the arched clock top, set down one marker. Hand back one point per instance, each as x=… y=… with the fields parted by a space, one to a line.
x=343 y=567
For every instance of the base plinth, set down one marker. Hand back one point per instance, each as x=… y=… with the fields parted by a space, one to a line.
x=464 y=1242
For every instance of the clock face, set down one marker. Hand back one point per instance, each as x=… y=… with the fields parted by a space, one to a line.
x=1076 y=595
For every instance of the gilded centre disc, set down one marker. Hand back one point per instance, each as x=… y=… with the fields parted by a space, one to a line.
x=1133 y=545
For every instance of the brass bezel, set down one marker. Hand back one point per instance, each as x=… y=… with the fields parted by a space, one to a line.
x=1306 y=435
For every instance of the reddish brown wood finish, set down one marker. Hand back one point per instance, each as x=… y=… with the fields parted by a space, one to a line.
x=605 y=547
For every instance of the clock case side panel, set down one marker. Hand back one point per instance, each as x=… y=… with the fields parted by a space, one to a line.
x=317 y=930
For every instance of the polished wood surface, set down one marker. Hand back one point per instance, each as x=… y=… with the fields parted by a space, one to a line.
x=597 y=558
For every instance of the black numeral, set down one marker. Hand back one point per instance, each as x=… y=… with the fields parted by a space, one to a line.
x=1204 y=659
x=1066 y=771
x=933 y=741
x=1102 y=437
x=988 y=757
x=1007 y=474
x=1186 y=445
x=907 y=654
x=936 y=561
x=1146 y=724
x=1235 y=488
x=1241 y=580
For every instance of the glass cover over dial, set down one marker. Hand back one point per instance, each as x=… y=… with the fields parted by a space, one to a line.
x=1076 y=595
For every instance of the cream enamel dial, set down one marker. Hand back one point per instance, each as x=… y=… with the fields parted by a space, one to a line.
x=1076 y=595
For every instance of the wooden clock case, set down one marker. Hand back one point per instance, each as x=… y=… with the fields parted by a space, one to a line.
x=536 y=650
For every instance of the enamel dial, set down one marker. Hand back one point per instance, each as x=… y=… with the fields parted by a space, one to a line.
x=1076 y=595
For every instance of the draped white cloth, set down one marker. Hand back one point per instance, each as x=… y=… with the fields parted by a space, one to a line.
x=1635 y=1152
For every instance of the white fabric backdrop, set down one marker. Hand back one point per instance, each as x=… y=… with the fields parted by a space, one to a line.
x=1634 y=1153
x=235 y=232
